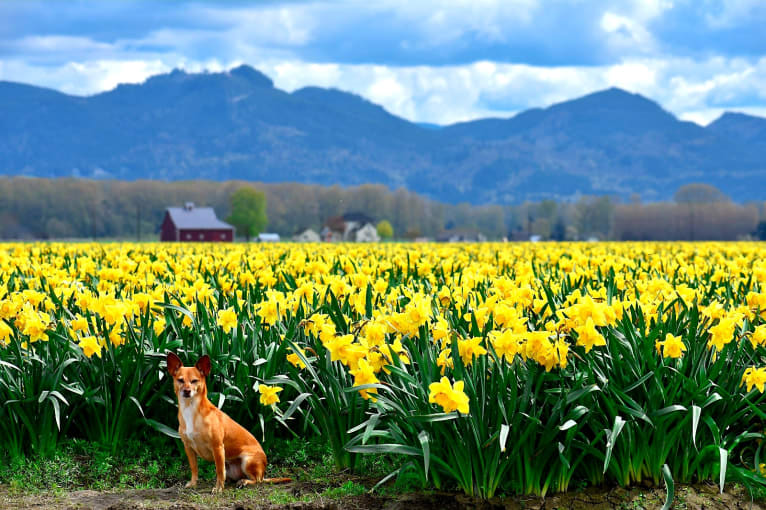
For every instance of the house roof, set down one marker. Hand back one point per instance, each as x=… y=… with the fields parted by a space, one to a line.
x=336 y=223
x=464 y=234
x=358 y=217
x=202 y=218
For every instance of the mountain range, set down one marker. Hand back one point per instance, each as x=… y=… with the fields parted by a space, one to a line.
x=237 y=125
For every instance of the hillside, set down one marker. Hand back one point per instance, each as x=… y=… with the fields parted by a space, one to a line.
x=237 y=125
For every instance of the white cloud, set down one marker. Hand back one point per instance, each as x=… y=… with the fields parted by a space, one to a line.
x=625 y=33
x=694 y=90
x=635 y=75
x=443 y=22
x=264 y=25
x=82 y=78
x=447 y=94
x=387 y=90
x=58 y=44
x=278 y=40
x=706 y=116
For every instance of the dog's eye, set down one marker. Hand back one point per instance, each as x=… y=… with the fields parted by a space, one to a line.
x=181 y=381
x=195 y=381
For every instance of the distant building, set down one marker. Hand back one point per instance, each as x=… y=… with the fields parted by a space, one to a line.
x=306 y=236
x=333 y=230
x=357 y=227
x=367 y=233
x=198 y=224
x=266 y=237
x=460 y=236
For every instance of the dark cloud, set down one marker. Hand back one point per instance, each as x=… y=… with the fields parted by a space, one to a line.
x=385 y=38
x=105 y=21
x=554 y=34
x=702 y=29
x=694 y=53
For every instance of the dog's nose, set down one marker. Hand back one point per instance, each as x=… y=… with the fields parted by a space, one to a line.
x=187 y=393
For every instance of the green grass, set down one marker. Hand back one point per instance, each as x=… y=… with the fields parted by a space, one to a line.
x=76 y=464
x=350 y=488
x=159 y=462
x=297 y=452
x=281 y=497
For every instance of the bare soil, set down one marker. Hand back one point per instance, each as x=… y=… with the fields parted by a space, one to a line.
x=310 y=496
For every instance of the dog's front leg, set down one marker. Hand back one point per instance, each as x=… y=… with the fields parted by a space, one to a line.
x=219 y=456
x=192 y=456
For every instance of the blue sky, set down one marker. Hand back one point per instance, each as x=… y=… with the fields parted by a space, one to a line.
x=436 y=61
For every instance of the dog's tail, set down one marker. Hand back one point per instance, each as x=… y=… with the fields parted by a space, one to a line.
x=277 y=480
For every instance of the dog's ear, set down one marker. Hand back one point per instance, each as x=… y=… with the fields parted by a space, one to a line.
x=203 y=365
x=174 y=364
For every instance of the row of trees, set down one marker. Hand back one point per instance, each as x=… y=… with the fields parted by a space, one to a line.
x=75 y=208
x=697 y=212
x=35 y=208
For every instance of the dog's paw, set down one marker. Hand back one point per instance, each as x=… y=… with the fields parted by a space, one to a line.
x=191 y=485
x=242 y=483
x=217 y=490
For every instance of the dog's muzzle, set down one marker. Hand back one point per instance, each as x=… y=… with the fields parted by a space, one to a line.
x=186 y=393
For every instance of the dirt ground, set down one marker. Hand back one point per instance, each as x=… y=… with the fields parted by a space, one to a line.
x=308 y=496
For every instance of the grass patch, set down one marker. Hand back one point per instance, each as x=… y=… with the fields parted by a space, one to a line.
x=281 y=497
x=350 y=488
x=77 y=464
x=158 y=462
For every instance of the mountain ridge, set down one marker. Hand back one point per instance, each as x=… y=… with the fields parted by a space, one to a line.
x=238 y=125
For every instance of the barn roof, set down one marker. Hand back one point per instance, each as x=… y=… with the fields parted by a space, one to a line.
x=202 y=218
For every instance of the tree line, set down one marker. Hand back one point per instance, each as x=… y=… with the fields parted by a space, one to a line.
x=697 y=212
x=36 y=208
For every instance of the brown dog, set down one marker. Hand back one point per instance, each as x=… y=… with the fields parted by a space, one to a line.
x=208 y=432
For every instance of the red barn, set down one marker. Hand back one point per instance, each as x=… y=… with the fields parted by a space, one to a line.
x=198 y=224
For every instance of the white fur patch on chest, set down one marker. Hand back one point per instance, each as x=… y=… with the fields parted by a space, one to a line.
x=193 y=434
x=189 y=412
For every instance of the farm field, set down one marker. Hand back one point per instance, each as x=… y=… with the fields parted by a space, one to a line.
x=490 y=369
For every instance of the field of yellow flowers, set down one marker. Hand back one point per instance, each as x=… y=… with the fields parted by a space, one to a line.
x=494 y=368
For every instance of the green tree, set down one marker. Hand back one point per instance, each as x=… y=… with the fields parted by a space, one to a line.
x=248 y=211
x=385 y=230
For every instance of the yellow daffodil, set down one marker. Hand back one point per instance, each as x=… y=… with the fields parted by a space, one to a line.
x=754 y=378
x=364 y=374
x=450 y=398
x=269 y=394
x=672 y=346
x=470 y=348
x=588 y=336
x=90 y=346
x=722 y=333
x=5 y=333
x=295 y=360
x=227 y=319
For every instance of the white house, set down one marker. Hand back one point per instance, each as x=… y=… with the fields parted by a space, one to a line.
x=307 y=236
x=266 y=237
x=357 y=227
x=367 y=234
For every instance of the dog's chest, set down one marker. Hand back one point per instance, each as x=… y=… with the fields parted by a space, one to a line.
x=188 y=413
x=193 y=434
